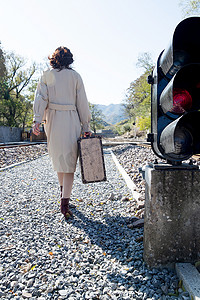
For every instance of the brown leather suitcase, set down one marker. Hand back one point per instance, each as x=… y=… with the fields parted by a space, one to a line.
x=91 y=159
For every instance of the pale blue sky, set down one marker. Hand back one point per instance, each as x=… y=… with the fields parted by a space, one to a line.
x=105 y=36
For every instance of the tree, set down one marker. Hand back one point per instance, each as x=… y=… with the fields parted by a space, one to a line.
x=145 y=61
x=2 y=63
x=96 y=118
x=2 y=74
x=28 y=116
x=190 y=7
x=16 y=103
x=138 y=98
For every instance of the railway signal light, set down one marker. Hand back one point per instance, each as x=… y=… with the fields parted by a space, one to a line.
x=175 y=95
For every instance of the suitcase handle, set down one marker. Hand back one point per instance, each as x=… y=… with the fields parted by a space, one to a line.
x=88 y=134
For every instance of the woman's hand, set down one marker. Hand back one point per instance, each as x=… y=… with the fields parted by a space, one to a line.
x=36 y=129
x=87 y=134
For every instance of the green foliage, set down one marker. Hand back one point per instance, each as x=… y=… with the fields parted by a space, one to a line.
x=97 y=121
x=3 y=84
x=190 y=7
x=2 y=63
x=138 y=99
x=127 y=127
x=17 y=88
x=145 y=61
x=123 y=122
x=144 y=123
x=123 y=127
x=118 y=130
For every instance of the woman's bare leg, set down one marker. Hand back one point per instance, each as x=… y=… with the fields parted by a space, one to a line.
x=68 y=179
x=60 y=178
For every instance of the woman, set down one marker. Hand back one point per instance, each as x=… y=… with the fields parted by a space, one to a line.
x=61 y=102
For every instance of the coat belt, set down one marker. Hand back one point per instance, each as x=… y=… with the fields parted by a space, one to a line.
x=60 y=107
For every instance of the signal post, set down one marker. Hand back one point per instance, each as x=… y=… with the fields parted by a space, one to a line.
x=172 y=199
x=172 y=215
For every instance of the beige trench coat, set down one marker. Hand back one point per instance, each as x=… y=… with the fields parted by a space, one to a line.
x=61 y=99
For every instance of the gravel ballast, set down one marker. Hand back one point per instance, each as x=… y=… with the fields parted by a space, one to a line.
x=9 y=156
x=94 y=255
x=133 y=157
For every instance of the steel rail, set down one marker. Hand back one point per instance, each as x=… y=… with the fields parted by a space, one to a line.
x=104 y=142
x=14 y=145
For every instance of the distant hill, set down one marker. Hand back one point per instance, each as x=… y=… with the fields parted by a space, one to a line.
x=113 y=113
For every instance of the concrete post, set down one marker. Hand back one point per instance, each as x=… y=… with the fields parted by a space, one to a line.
x=172 y=215
x=10 y=134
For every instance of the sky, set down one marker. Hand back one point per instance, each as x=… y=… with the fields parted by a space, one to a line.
x=106 y=37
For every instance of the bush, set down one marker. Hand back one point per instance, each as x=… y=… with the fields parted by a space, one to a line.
x=126 y=128
x=144 y=123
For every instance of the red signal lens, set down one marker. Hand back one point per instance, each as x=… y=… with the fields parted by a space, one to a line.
x=182 y=101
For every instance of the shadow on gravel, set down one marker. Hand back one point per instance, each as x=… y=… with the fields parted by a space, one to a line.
x=115 y=239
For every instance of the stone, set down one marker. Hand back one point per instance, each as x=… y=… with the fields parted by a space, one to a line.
x=124 y=199
x=13 y=284
x=111 y=196
x=2 y=294
x=26 y=295
x=30 y=282
x=21 y=286
x=63 y=292
x=136 y=224
x=13 y=277
x=140 y=204
x=36 y=292
x=139 y=239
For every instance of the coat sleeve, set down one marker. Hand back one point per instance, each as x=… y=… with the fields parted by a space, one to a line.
x=82 y=105
x=40 y=101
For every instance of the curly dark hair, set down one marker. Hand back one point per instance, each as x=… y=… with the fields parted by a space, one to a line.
x=62 y=58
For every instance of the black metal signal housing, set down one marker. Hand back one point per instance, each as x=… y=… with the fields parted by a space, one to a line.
x=175 y=95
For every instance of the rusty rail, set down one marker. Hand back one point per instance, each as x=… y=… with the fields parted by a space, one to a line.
x=10 y=145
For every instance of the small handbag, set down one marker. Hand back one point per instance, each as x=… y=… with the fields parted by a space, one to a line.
x=91 y=159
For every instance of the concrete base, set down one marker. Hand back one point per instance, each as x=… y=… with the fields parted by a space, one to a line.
x=172 y=222
x=191 y=279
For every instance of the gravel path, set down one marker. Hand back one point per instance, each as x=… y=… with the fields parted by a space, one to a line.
x=95 y=255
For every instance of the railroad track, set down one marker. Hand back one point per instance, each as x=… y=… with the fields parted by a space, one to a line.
x=13 y=145
x=105 y=142
x=115 y=142
x=138 y=143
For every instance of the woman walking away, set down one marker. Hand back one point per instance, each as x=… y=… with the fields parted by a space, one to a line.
x=61 y=102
